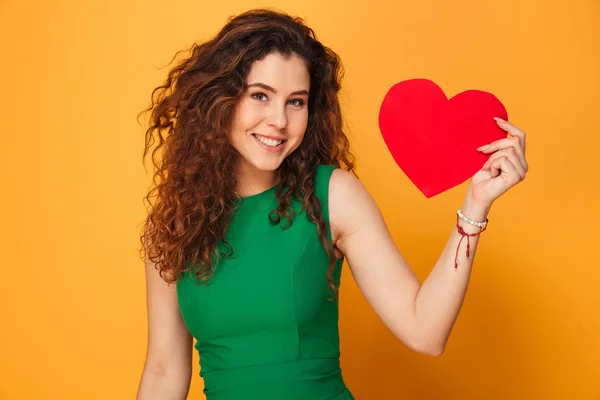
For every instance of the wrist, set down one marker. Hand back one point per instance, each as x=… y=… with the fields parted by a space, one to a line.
x=475 y=210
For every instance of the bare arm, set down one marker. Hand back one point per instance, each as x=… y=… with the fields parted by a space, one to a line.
x=421 y=315
x=168 y=367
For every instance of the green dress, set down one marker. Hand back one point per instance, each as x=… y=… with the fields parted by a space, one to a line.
x=264 y=328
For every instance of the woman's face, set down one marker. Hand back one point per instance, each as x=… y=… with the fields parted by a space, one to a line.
x=272 y=114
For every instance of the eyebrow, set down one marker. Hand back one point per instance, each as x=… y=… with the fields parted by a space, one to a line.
x=269 y=88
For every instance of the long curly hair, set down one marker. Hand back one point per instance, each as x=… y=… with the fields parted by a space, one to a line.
x=195 y=164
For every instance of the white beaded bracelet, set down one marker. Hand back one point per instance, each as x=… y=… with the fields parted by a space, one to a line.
x=470 y=221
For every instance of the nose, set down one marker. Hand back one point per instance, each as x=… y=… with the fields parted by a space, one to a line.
x=277 y=117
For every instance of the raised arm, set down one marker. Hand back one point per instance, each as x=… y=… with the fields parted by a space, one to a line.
x=168 y=367
x=420 y=315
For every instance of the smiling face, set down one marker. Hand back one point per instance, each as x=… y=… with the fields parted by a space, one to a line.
x=272 y=114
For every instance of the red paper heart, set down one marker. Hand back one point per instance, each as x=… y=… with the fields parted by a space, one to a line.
x=434 y=140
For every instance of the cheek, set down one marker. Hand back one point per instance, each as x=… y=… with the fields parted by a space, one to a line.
x=299 y=123
x=250 y=115
x=245 y=118
x=299 y=135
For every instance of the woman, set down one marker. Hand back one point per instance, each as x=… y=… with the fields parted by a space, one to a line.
x=256 y=208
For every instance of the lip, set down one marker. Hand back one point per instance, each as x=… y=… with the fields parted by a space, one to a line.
x=269 y=137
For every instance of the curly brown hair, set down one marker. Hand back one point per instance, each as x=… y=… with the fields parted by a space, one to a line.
x=191 y=114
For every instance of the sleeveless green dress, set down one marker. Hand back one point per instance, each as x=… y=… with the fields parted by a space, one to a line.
x=264 y=328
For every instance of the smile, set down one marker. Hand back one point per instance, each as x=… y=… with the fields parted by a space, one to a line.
x=267 y=141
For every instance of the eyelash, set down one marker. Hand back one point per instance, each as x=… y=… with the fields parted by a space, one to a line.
x=301 y=102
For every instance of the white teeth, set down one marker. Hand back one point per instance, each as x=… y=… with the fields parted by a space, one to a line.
x=268 y=142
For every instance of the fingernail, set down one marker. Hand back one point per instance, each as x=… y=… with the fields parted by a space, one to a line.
x=484 y=148
x=499 y=119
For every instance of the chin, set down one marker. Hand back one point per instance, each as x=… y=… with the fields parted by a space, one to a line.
x=263 y=163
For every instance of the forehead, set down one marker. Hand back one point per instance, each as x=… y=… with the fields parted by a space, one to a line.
x=280 y=72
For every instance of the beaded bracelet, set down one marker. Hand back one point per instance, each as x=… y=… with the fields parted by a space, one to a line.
x=470 y=221
x=464 y=234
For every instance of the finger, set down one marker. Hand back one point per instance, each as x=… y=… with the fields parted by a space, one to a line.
x=512 y=129
x=511 y=154
x=502 y=166
x=511 y=142
x=500 y=144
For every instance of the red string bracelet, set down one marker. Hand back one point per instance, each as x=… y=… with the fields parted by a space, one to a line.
x=468 y=236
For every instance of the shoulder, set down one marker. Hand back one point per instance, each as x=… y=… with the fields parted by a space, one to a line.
x=350 y=203
x=344 y=182
x=347 y=193
x=337 y=183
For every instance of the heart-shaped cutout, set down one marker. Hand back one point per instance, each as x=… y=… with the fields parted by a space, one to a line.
x=434 y=140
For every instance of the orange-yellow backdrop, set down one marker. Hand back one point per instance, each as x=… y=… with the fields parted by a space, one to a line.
x=74 y=76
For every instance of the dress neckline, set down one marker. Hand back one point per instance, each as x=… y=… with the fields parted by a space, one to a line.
x=258 y=195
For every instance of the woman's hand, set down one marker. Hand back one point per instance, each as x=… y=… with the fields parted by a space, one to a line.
x=505 y=168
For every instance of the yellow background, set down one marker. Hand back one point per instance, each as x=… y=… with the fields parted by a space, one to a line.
x=75 y=75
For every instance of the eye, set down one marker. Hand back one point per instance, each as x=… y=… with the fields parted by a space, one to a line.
x=299 y=103
x=258 y=95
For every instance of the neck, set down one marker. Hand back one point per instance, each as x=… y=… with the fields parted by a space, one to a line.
x=251 y=180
